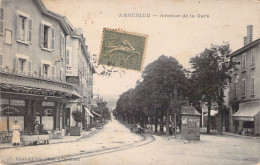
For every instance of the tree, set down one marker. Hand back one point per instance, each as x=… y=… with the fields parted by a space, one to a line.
x=152 y=96
x=224 y=66
x=78 y=116
x=165 y=77
x=210 y=76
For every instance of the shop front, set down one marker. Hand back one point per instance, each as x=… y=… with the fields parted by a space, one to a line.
x=32 y=100
x=246 y=121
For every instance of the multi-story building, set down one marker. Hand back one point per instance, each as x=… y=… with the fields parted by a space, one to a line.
x=244 y=95
x=33 y=65
x=79 y=70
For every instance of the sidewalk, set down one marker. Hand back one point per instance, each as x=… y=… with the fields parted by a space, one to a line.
x=65 y=139
x=242 y=136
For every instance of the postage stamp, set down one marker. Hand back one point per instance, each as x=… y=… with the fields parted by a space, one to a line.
x=122 y=49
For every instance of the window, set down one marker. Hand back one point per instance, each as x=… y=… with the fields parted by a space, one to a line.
x=2 y=17
x=62 y=46
x=47 y=36
x=45 y=70
x=253 y=57
x=253 y=85
x=243 y=63
x=24 y=28
x=21 y=64
x=243 y=87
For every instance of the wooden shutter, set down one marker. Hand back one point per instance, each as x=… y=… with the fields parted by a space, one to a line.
x=41 y=35
x=18 y=26
x=2 y=14
x=62 y=46
x=16 y=60
x=68 y=57
x=52 y=38
x=30 y=31
x=41 y=70
x=53 y=72
x=1 y=62
x=2 y=17
x=29 y=70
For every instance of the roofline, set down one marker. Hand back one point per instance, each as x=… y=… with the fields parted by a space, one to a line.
x=245 y=47
x=64 y=22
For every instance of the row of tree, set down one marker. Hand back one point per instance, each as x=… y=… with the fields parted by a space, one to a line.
x=166 y=86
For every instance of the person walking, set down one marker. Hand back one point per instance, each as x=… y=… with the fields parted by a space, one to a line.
x=16 y=133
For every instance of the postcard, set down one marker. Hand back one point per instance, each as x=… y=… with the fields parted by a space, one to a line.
x=144 y=82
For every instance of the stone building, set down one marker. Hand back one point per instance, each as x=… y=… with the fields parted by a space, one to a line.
x=79 y=71
x=244 y=95
x=33 y=66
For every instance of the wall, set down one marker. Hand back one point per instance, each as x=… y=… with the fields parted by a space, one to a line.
x=247 y=74
x=33 y=50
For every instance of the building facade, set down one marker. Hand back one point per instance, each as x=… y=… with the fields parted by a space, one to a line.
x=33 y=67
x=244 y=95
x=79 y=71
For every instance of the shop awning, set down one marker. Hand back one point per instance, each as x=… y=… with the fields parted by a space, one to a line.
x=96 y=114
x=247 y=112
x=88 y=111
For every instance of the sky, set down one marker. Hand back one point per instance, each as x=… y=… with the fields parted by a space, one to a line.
x=179 y=37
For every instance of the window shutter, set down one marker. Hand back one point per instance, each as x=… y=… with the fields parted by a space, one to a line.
x=18 y=26
x=2 y=21
x=253 y=57
x=53 y=72
x=62 y=46
x=52 y=38
x=16 y=60
x=2 y=14
x=30 y=31
x=41 y=35
x=29 y=68
x=68 y=57
x=1 y=62
x=41 y=70
x=253 y=85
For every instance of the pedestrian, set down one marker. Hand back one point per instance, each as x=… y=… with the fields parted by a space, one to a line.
x=36 y=127
x=138 y=127
x=16 y=133
x=170 y=129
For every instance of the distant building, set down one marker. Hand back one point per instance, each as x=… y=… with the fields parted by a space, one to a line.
x=244 y=95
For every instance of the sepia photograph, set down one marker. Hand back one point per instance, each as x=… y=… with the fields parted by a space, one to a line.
x=145 y=82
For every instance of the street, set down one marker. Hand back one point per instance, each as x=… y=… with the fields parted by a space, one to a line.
x=115 y=144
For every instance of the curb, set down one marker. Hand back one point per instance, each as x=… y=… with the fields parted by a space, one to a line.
x=240 y=136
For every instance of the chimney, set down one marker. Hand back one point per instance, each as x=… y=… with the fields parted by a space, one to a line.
x=245 y=41
x=249 y=34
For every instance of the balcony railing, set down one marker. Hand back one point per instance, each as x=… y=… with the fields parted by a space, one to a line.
x=35 y=81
